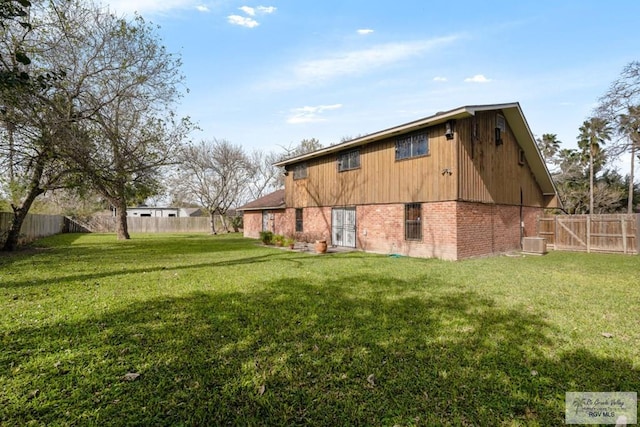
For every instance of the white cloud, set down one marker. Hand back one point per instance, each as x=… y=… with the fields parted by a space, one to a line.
x=365 y=31
x=360 y=61
x=266 y=9
x=310 y=114
x=203 y=8
x=248 y=10
x=478 y=78
x=243 y=21
x=440 y=79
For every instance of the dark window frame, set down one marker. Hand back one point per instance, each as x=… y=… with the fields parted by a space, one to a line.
x=413 y=221
x=299 y=220
x=412 y=146
x=348 y=160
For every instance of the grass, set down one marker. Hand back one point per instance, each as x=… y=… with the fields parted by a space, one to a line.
x=223 y=331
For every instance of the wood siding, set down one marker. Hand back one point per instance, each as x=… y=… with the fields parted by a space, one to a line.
x=491 y=173
x=380 y=179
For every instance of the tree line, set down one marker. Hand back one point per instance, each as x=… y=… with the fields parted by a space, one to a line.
x=585 y=178
x=88 y=107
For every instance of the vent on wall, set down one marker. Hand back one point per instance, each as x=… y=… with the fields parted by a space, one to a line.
x=534 y=245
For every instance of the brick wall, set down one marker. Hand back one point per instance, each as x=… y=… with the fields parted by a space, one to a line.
x=450 y=230
x=252 y=224
x=486 y=229
x=381 y=230
x=316 y=223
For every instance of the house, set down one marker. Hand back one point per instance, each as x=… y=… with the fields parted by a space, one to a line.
x=148 y=211
x=267 y=213
x=462 y=183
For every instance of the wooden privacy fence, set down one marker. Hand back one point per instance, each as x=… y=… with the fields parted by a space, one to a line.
x=33 y=227
x=198 y=224
x=38 y=226
x=613 y=233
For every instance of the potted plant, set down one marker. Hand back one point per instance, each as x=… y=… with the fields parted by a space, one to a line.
x=289 y=242
x=321 y=246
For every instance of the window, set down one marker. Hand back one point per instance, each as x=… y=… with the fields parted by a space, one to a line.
x=300 y=171
x=299 y=223
x=412 y=146
x=413 y=221
x=501 y=128
x=349 y=160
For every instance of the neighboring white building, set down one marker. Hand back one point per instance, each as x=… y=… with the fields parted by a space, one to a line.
x=148 y=211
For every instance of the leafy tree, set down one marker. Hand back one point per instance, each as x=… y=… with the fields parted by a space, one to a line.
x=594 y=132
x=14 y=26
x=110 y=121
x=549 y=146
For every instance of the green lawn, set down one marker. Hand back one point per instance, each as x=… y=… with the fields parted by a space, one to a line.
x=223 y=331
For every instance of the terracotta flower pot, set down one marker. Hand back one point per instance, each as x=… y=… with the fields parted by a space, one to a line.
x=321 y=246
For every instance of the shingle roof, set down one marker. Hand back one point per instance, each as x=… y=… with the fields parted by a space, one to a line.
x=273 y=200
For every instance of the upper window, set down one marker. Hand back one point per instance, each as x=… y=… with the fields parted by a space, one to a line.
x=412 y=146
x=300 y=171
x=413 y=221
x=349 y=160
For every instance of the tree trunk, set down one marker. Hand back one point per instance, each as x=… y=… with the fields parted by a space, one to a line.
x=122 y=231
x=633 y=161
x=20 y=213
x=224 y=223
x=212 y=220
x=591 y=180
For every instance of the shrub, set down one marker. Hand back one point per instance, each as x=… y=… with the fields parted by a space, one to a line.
x=278 y=239
x=266 y=237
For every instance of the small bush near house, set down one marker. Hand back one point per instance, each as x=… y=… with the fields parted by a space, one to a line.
x=266 y=237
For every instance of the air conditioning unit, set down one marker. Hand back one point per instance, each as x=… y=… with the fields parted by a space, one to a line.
x=534 y=245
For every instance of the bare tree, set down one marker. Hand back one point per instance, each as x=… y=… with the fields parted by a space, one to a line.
x=303 y=147
x=266 y=177
x=215 y=174
x=621 y=105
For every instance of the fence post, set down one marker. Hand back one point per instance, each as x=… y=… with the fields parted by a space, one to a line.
x=589 y=233
x=623 y=225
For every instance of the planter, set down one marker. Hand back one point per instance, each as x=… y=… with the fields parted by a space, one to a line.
x=321 y=246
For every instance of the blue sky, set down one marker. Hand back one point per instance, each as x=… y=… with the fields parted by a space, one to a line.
x=269 y=74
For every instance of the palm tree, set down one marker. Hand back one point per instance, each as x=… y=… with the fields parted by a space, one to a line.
x=549 y=146
x=630 y=127
x=593 y=134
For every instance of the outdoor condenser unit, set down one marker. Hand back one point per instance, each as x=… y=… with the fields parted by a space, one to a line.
x=534 y=245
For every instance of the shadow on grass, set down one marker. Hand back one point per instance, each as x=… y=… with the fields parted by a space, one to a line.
x=122 y=253
x=301 y=353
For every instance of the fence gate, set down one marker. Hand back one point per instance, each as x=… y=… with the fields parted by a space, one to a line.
x=611 y=233
x=343 y=227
